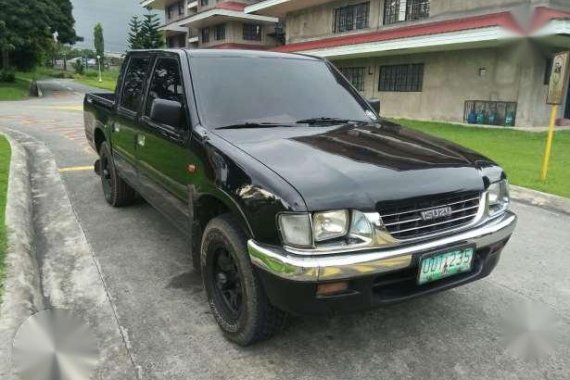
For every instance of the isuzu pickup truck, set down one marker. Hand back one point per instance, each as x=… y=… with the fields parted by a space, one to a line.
x=295 y=195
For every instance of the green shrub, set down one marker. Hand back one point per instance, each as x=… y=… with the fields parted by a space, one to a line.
x=91 y=74
x=78 y=67
x=8 y=76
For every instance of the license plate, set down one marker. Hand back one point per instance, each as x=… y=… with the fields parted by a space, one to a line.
x=442 y=265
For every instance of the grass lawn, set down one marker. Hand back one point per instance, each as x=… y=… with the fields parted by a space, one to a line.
x=91 y=78
x=17 y=90
x=43 y=73
x=4 y=165
x=519 y=153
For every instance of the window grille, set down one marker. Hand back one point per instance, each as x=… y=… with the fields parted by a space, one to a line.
x=251 y=32
x=351 y=17
x=220 y=32
x=405 y=10
x=205 y=35
x=355 y=75
x=401 y=78
x=490 y=112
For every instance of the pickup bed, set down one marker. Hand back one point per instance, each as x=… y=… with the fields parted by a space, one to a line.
x=295 y=195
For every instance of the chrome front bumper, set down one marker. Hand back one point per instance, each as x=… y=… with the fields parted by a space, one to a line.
x=281 y=263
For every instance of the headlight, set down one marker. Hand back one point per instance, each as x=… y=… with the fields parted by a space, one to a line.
x=498 y=197
x=296 y=230
x=330 y=224
x=361 y=228
x=323 y=232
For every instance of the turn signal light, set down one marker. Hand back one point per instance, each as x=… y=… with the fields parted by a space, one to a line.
x=331 y=288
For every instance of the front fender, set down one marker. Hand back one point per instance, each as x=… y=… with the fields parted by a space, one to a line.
x=254 y=193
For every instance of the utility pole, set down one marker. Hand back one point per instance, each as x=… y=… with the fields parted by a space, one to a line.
x=99 y=63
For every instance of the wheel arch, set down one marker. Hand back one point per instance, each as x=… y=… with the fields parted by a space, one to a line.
x=208 y=206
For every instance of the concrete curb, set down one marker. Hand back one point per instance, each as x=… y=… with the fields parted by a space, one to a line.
x=22 y=287
x=66 y=273
x=537 y=198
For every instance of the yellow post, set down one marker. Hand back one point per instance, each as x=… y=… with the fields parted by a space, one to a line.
x=548 y=150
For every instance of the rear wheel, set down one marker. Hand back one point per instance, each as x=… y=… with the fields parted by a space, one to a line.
x=117 y=192
x=234 y=291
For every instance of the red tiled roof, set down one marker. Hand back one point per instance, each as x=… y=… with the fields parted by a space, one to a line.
x=504 y=19
x=231 y=5
x=238 y=46
x=543 y=15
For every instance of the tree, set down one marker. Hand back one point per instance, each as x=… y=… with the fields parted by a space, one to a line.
x=136 y=39
x=99 y=42
x=27 y=32
x=151 y=37
x=5 y=45
x=64 y=51
x=78 y=67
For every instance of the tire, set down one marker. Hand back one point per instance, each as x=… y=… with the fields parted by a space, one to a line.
x=117 y=192
x=195 y=246
x=226 y=268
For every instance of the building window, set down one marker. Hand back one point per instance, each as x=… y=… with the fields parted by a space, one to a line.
x=355 y=75
x=251 y=32
x=181 y=8
x=351 y=17
x=220 y=32
x=205 y=35
x=204 y=2
x=170 y=12
x=401 y=78
x=405 y=10
x=548 y=71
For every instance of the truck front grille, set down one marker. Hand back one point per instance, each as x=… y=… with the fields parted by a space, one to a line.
x=404 y=221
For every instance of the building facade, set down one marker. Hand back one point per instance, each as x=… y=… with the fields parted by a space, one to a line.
x=215 y=24
x=477 y=61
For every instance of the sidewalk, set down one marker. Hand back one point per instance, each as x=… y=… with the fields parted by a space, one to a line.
x=50 y=263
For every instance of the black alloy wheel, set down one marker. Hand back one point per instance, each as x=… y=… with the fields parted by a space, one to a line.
x=234 y=290
x=117 y=192
x=228 y=283
x=106 y=180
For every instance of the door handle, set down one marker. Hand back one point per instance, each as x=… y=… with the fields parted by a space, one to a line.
x=141 y=139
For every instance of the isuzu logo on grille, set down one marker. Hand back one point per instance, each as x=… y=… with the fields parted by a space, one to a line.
x=436 y=213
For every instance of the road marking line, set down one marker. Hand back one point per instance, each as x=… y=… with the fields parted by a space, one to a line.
x=63 y=108
x=75 y=169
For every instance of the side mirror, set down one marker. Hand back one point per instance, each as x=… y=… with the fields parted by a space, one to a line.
x=375 y=104
x=167 y=112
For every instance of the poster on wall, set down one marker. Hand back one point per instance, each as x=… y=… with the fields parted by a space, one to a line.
x=558 y=78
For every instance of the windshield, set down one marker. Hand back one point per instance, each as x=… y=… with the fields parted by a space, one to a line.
x=255 y=89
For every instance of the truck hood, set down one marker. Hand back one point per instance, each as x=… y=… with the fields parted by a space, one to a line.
x=357 y=166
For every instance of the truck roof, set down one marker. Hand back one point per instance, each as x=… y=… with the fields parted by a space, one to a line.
x=231 y=53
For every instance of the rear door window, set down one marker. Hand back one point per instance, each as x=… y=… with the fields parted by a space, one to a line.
x=134 y=83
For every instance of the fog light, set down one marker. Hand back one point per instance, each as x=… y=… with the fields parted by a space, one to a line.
x=331 y=288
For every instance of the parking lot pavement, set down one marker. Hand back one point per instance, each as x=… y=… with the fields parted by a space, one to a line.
x=459 y=334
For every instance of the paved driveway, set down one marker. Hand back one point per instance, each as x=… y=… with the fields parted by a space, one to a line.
x=160 y=303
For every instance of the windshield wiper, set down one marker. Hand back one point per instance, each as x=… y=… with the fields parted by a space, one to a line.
x=254 y=125
x=324 y=120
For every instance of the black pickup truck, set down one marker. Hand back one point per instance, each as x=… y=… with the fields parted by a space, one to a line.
x=295 y=196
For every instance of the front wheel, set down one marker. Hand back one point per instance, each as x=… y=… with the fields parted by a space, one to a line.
x=234 y=291
x=117 y=192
